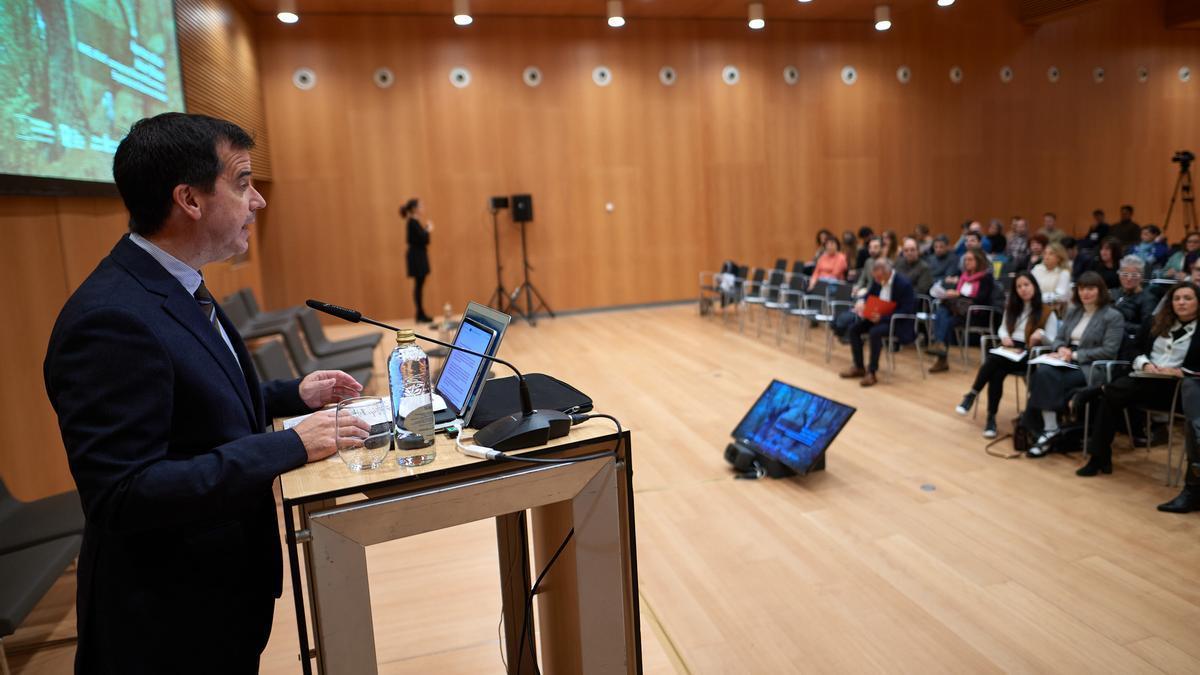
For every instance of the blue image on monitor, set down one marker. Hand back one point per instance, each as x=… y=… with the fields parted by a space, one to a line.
x=791 y=425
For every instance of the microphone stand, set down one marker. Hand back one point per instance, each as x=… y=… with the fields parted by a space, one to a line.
x=525 y=429
x=500 y=295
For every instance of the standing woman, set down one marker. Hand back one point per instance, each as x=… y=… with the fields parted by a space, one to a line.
x=418 y=254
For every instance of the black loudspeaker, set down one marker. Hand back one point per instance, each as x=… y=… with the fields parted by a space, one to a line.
x=497 y=203
x=522 y=208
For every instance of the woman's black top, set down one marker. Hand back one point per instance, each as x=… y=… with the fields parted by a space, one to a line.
x=418 y=254
x=1109 y=274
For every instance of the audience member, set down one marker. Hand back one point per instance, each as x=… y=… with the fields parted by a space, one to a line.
x=1096 y=234
x=1018 y=244
x=831 y=266
x=889 y=287
x=1181 y=261
x=924 y=239
x=1091 y=332
x=865 y=234
x=1126 y=231
x=1050 y=227
x=1189 y=499
x=1037 y=249
x=1165 y=348
x=874 y=251
x=913 y=268
x=1131 y=298
x=1053 y=275
x=973 y=236
x=1027 y=323
x=942 y=263
x=1107 y=263
x=891 y=247
x=974 y=286
x=1150 y=248
x=850 y=250
x=997 y=242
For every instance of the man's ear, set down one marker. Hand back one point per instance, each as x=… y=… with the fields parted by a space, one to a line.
x=184 y=196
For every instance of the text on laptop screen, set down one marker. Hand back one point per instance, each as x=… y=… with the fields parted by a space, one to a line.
x=792 y=425
x=462 y=369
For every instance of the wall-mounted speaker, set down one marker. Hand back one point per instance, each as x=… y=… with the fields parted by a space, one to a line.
x=522 y=208
x=497 y=203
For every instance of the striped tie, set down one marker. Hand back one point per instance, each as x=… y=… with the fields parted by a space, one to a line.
x=207 y=305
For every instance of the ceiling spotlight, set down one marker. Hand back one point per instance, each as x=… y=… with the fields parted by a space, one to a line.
x=287 y=11
x=945 y=3
x=756 y=21
x=616 y=14
x=883 y=17
x=462 y=12
x=287 y=17
x=808 y=1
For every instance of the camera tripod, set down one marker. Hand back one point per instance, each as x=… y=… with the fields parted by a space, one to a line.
x=1183 y=191
x=527 y=287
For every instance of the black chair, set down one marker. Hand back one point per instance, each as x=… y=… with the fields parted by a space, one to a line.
x=323 y=346
x=24 y=524
x=306 y=363
x=271 y=362
x=256 y=314
x=28 y=574
x=237 y=311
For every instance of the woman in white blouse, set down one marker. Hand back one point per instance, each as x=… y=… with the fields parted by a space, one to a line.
x=1168 y=349
x=1027 y=323
x=1053 y=275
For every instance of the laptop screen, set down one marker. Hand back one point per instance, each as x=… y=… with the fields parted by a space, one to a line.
x=791 y=425
x=462 y=370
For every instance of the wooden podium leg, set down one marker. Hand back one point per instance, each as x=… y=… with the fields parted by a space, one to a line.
x=342 y=596
x=582 y=600
x=513 y=547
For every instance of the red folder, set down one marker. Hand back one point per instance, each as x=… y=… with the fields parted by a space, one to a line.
x=876 y=306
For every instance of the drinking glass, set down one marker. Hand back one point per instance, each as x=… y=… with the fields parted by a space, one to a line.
x=361 y=454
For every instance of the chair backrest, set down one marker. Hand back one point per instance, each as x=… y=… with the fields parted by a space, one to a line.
x=773 y=284
x=251 y=301
x=313 y=329
x=781 y=264
x=235 y=308
x=840 y=291
x=272 y=363
x=797 y=267
x=742 y=271
x=305 y=362
x=754 y=286
x=796 y=283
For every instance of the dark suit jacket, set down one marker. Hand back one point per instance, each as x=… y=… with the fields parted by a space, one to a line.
x=164 y=435
x=417 y=255
x=906 y=303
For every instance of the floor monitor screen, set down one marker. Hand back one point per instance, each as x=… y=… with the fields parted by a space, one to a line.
x=791 y=425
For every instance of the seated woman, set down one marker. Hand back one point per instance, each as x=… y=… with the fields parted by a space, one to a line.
x=1180 y=261
x=1024 y=326
x=1166 y=346
x=822 y=236
x=831 y=265
x=1053 y=274
x=974 y=287
x=1091 y=332
x=1107 y=262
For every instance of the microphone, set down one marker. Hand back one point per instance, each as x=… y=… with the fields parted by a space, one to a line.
x=526 y=429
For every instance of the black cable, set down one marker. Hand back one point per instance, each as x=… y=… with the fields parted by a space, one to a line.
x=576 y=419
x=532 y=592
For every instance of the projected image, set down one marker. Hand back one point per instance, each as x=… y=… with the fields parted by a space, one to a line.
x=792 y=425
x=75 y=75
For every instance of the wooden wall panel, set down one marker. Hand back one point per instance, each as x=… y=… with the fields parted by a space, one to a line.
x=700 y=171
x=220 y=69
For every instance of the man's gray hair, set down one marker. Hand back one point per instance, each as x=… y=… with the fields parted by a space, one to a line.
x=884 y=262
x=1134 y=262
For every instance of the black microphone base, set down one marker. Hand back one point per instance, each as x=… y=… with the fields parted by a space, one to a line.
x=518 y=431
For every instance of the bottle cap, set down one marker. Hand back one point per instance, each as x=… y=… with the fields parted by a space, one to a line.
x=405 y=336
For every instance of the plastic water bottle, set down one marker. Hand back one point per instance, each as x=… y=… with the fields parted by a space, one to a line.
x=412 y=401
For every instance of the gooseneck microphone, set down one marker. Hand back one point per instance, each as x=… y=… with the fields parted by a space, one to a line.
x=526 y=429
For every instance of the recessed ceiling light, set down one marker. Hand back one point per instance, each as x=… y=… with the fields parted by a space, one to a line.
x=287 y=17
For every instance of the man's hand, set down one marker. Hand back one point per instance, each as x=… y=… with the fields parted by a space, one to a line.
x=323 y=387
x=318 y=433
x=874 y=318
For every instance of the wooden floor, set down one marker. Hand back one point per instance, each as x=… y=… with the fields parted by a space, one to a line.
x=914 y=552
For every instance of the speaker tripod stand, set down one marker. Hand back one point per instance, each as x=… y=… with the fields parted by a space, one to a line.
x=500 y=295
x=1183 y=191
x=529 y=313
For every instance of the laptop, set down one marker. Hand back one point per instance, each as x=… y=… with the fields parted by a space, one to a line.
x=463 y=375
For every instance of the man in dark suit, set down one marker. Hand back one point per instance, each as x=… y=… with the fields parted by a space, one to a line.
x=889 y=286
x=163 y=419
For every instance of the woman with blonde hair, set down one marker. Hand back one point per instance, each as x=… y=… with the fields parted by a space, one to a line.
x=1053 y=274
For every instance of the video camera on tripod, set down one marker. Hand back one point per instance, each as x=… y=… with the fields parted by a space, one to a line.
x=1183 y=191
x=1184 y=159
